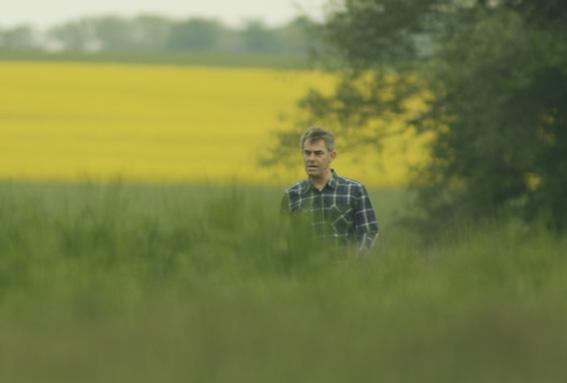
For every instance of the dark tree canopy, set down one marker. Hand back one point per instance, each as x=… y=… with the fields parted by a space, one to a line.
x=493 y=75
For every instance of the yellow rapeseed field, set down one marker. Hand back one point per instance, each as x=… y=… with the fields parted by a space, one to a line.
x=159 y=123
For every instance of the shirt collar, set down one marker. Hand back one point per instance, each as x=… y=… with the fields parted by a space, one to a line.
x=332 y=183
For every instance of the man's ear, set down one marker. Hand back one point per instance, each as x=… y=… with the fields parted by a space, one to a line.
x=333 y=155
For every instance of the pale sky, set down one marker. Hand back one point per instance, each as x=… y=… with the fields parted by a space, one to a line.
x=44 y=13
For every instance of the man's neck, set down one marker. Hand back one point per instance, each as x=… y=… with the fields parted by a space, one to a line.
x=320 y=182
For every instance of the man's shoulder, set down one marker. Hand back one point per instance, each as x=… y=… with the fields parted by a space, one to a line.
x=296 y=187
x=349 y=183
x=293 y=193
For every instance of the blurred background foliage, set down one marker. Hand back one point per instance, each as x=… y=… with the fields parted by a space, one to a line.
x=155 y=33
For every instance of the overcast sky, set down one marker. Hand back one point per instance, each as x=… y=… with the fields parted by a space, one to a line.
x=43 y=13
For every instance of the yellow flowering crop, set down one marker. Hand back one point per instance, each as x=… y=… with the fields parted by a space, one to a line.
x=158 y=123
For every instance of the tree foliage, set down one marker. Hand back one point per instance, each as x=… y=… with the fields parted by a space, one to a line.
x=195 y=34
x=18 y=37
x=493 y=77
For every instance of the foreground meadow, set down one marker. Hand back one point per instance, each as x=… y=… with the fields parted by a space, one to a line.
x=143 y=283
x=69 y=121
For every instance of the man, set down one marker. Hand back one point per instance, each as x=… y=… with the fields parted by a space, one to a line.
x=339 y=208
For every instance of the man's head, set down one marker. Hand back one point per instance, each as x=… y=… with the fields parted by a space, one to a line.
x=318 y=148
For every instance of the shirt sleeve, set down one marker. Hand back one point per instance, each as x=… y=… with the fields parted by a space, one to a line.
x=365 y=224
x=284 y=204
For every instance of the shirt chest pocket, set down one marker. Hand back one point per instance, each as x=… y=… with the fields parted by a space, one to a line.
x=341 y=217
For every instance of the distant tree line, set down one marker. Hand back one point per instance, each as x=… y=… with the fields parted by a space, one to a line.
x=154 y=33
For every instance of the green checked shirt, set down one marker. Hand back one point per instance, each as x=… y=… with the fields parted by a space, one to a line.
x=341 y=211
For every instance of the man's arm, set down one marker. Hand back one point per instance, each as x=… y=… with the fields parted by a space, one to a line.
x=365 y=224
x=284 y=204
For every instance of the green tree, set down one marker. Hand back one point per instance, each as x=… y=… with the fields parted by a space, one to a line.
x=18 y=37
x=493 y=76
x=295 y=36
x=258 y=38
x=114 y=33
x=74 y=35
x=196 y=34
x=151 y=32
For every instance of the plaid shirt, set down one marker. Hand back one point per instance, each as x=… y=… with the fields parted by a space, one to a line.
x=341 y=211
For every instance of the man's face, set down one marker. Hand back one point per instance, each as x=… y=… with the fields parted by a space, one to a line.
x=317 y=158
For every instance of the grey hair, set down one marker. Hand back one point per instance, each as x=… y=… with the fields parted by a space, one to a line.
x=315 y=134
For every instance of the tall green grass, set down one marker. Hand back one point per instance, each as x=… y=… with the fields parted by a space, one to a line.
x=120 y=283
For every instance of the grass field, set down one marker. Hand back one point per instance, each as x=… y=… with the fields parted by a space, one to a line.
x=123 y=282
x=69 y=121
